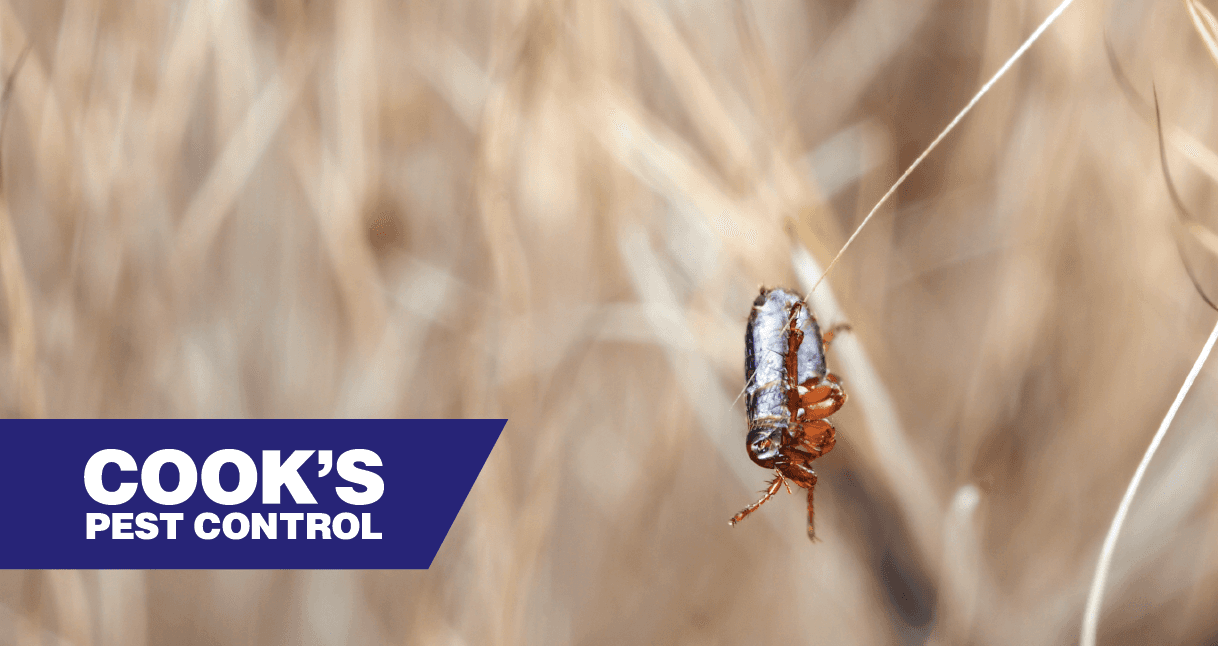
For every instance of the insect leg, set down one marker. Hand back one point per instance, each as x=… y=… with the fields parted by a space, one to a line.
x=820 y=437
x=827 y=337
x=775 y=485
x=821 y=400
x=800 y=472
x=811 y=527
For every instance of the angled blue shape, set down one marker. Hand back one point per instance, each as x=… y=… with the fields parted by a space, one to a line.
x=427 y=469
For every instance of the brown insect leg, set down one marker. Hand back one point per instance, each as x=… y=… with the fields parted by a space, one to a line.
x=811 y=527
x=822 y=401
x=827 y=337
x=815 y=393
x=795 y=337
x=820 y=437
x=775 y=485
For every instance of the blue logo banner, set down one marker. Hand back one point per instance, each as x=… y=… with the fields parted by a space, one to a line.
x=235 y=494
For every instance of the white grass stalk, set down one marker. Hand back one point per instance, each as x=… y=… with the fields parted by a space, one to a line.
x=908 y=481
x=1091 y=615
x=950 y=126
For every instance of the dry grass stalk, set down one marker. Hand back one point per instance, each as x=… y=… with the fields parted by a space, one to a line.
x=951 y=125
x=1095 y=597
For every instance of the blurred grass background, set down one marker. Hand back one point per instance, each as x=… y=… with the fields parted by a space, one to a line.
x=559 y=213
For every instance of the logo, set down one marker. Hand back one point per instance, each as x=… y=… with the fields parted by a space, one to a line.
x=183 y=494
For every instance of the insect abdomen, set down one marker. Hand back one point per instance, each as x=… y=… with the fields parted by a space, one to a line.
x=765 y=351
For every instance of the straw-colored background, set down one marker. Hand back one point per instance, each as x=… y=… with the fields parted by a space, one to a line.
x=559 y=213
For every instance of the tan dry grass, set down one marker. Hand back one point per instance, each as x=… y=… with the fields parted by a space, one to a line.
x=558 y=213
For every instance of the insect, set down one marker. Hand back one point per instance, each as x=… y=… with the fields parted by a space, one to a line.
x=789 y=393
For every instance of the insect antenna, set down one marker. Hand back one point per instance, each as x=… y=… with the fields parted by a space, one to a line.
x=744 y=390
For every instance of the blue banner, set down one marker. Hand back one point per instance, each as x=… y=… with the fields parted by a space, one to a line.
x=235 y=494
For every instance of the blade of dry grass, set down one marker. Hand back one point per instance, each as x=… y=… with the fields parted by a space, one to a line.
x=1206 y=24
x=122 y=606
x=1198 y=231
x=1204 y=235
x=72 y=610
x=213 y=202
x=703 y=105
x=22 y=335
x=854 y=55
x=661 y=160
x=337 y=212
x=181 y=73
x=1207 y=27
x=897 y=460
x=421 y=299
x=1183 y=141
x=950 y=126
x=23 y=631
x=1095 y=597
x=706 y=395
